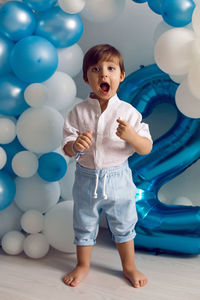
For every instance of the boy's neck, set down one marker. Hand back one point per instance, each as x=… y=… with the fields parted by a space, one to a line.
x=103 y=103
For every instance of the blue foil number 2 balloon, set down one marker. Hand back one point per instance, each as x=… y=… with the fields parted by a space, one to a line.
x=162 y=227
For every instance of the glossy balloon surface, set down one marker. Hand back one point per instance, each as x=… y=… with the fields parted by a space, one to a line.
x=161 y=227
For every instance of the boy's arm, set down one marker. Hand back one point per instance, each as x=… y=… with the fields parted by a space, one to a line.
x=141 y=145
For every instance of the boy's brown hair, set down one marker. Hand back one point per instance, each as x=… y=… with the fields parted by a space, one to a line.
x=98 y=52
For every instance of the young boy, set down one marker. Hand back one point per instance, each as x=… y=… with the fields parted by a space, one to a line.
x=102 y=132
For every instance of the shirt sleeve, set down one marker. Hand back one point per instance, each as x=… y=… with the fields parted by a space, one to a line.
x=140 y=127
x=70 y=130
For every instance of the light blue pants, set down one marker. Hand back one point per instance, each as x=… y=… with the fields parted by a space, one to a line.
x=111 y=190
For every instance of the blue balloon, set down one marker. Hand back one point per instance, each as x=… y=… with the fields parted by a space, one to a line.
x=39 y=5
x=155 y=6
x=161 y=227
x=5 y=48
x=16 y=20
x=52 y=166
x=177 y=13
x=11 y=149
x=12 y=101
x=60 y=28
x=34 y=59
x=7 y=190
x=139 y=1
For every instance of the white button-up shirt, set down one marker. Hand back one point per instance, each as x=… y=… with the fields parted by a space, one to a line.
x=107 y=149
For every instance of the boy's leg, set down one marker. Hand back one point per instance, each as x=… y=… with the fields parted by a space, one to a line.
x=127 y=255
x=82 y=267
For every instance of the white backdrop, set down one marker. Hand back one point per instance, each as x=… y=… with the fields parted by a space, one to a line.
x=133 y=34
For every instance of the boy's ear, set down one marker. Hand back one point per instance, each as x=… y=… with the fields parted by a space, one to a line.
x=122 y=76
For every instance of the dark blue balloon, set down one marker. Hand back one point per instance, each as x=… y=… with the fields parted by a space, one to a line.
x=34 y=59
x=7 y=190
x=39 y=5
x=60 y=28
x=155 y=6
x=16 y=20
x=12 y=101
x=5 y=49
x=52 y=166
x=161 y=227
x=177 y=13
x=139 y=1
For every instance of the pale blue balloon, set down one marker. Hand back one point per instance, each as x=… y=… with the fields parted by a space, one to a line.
x=16 y=20
x=40 y=5
x=5 y=49
x=12 y=101
x=177 y=13
x=60 y=28
x=34 y=59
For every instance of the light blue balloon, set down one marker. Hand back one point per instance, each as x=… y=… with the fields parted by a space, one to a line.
x=60 y=28
x=7 y=190
x=12 y=101
x=177 y=13
x=161 y=227
x=5 y=49
x=52 y=166
x=34 y=59
x=40 y=5
x=16 y=20
x=11 y=149
x=155 y=6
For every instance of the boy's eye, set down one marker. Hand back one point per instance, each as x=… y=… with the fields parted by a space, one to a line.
x=95 y=69
x=111 y=68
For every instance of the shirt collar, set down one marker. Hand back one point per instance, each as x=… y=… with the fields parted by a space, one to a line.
x=111 y=101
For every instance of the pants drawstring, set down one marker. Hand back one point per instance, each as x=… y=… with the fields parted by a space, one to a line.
x=96 y=186
x=104 y=187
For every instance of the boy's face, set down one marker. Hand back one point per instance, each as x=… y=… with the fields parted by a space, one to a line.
x=104 y=78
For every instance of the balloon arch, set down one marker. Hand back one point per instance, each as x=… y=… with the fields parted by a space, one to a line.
x=39 y=58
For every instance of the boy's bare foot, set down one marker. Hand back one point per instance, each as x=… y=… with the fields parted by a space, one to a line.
x=76 y=276
x=136 y=278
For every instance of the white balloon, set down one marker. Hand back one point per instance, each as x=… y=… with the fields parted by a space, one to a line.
x=182 y=201
x=173 y=51
x=178 y=78
x=32 y=221
x=36 y=94
x=25 y=164
x=36 y=245
x=61 y=89
x=66 y=183
x=70 y=60
x=10 y=219
x=58 y=227
x=160 y=29
x=35 y=193
x=7 y=131
x=102 y=10
x=196 y=19
x=40 y=129
x=71 y=7
x=186 y=102
x=193 y=80
x=12 y=242
x=3 y=158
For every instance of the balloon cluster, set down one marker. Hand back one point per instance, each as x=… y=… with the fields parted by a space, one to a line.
x=177 y=50
x=38 y=59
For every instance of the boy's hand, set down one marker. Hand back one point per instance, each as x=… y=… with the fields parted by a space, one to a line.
x=124 y=130
x=83 y=141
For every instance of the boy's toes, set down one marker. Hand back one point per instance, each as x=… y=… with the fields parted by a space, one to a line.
x=136 y=284
x=67 y=280
x=75 y=282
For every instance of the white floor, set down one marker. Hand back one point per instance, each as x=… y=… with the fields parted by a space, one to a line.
x=170 y=277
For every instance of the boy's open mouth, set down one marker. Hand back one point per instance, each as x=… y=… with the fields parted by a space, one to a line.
x=105 y=87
